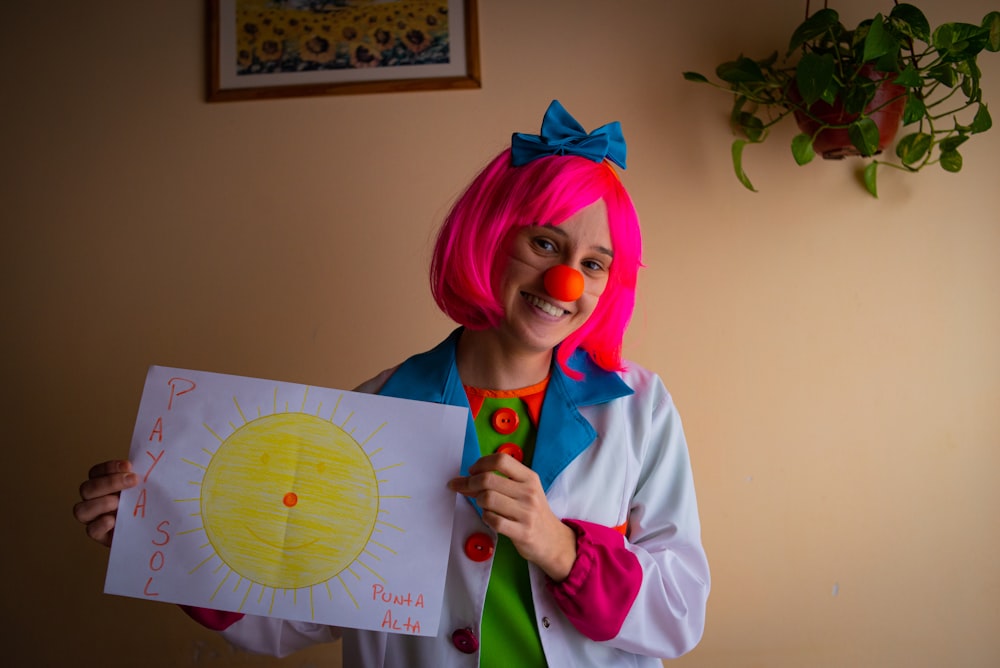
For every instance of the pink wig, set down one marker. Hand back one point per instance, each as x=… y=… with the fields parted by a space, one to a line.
x=470 y=254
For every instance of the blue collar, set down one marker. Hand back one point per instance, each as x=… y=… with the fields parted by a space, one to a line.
x=563 y=433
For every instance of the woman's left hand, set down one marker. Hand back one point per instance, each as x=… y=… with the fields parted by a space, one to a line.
x=514 y=505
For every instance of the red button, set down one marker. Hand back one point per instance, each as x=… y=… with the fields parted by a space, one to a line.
x=479 y=547
x=513 y=450
x=504 y=421
x=465 y=640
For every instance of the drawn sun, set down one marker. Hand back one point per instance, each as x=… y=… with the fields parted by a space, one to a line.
x=289 y=501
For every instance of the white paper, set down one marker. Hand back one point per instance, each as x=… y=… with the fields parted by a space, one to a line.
x=289 y=501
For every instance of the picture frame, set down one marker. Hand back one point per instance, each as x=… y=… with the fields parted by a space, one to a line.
x=263 y=49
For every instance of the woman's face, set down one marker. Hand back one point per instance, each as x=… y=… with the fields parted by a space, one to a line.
x=535 y=320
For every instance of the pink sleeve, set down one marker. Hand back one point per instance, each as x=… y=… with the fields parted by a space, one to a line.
x=600 y=590
x=217 y=620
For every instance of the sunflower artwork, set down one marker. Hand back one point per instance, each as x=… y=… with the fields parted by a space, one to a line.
x=288 y=501
x=296 y=36
x=342 y=42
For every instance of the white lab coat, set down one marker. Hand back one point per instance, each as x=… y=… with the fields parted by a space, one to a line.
x=637 y=470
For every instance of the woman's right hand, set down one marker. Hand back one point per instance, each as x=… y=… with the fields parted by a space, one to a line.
x=99 y=494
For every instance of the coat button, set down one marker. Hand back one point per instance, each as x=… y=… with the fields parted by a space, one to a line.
x=513 y=450
x=465 y=640
x=546 y=622
x=504 y=421
x=479 y=547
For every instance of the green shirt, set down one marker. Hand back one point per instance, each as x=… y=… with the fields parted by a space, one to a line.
x=509 y=635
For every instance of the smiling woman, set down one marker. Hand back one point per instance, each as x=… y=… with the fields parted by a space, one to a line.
x=575 y=538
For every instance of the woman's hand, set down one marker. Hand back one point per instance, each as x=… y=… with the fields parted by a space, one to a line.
x=514 y=505
x=100 y=493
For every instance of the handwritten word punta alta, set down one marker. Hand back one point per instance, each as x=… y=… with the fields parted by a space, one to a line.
x=406 y=600
x=158 y=559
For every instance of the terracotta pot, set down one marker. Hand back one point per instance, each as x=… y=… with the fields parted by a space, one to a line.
x=835 y=144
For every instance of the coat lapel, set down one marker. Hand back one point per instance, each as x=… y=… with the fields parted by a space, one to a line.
x=563 y=433
x=432 y=376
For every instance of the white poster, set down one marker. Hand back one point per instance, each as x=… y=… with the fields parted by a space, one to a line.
x=289 y=501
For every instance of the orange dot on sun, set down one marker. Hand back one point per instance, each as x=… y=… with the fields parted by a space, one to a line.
x=290 y=499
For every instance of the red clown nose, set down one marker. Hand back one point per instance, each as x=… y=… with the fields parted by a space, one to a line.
x=564 y=283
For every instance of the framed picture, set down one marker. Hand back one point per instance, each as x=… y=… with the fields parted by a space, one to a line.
x=286 y=48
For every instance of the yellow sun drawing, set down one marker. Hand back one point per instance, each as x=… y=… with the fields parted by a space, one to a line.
x=289 y=501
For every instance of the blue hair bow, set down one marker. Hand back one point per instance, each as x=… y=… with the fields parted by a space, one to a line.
x=563 y=135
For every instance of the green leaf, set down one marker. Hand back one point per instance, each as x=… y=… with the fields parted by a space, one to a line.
x=857 y=38
x=912 y=148
x=739 y=101
x=802 y=149
x=960 y=41
x=969 y=68
x=879 y=42
x=951 y=161
x=870 y=182
x=970 y=88
x=982 y=121
x=888 y=62
x=911 y=21
x=909 y=77
x=831 y=93
x=814 y=26
x=951 y=143
x=751 y=126
x=944 y=73
x=813 y=75
x=991 y=23
x=857 y=96
x=864 y=135
x=694 y=76
x=741 y=70
x=943 y=36
x=914 y=110
x=737 y=151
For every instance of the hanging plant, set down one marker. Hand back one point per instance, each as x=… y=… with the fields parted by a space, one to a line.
x=850 y=90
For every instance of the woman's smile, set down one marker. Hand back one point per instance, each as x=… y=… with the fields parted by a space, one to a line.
x=544 y=306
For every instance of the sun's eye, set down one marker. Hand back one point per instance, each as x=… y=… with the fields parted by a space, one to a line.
x=265 y=459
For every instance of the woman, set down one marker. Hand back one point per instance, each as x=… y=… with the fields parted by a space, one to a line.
x=585 y=550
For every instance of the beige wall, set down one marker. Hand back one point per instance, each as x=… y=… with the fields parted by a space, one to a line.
x=835 y=357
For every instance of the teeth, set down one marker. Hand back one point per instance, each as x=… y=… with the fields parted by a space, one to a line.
x=551 y=309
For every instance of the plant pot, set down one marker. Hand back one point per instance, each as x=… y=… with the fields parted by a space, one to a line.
x=835 y=143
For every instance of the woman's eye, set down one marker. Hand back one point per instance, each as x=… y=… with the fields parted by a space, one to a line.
x=593 y=265
x=544 y=244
